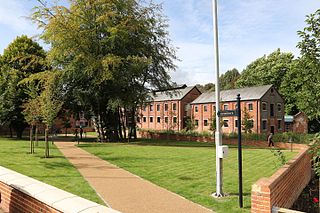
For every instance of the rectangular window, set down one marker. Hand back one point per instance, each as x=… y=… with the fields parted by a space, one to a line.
x=279 y=124
x=158 y=107
x=264 y=124
x=279 y=107
x=196 y=108
x=174 y=120
x=205 y=109
x=250 y=106
x=174 y=106
x=225 y=107
x=236 y=123
x=151 y=107
x=144 y=119
x=271 y=110
x=251 y=123
x=165 y=107
x=196 y=123
x=158 y=119
x=205 y=122
x=225 y=123
x=166 y=120
x=151 y=119
x=264 y=106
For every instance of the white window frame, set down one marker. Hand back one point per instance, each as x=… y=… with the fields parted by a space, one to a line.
x=166 y=107
x=196 y=109
x=278 y=125
x=225 y=106
x=173 y=107
x=266 y=120
x=159 y=120
x=174 y=117
x=150 y=119
x=159 y=108
x=151 y=107
x=279 y=104
x=144 y=119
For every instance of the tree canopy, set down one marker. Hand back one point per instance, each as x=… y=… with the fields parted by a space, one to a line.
x=20 y=59
x=229 y=79
x=111 y=53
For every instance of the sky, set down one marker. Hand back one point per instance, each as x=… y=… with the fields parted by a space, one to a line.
x=248 y=29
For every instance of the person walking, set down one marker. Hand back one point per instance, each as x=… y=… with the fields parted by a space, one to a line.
x=270 y=140
x=81 y=132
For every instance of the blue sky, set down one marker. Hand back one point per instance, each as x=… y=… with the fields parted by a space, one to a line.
x=248 y=29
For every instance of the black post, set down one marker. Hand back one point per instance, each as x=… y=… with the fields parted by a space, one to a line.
x=239 y=151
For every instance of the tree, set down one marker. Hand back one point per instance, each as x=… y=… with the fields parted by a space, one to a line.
x=20 y=59
x=111 y=54
x=247 y=123
x=228 y=80
x=269 y=69
x=307 y=78
x=50 y=103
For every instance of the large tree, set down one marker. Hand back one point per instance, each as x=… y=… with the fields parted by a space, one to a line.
x=20 y=59
x=228 y=79
x=111 y=53
x=266 y=70
x=303 y=82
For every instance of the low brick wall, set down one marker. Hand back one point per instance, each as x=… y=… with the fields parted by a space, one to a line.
x=245 y=142
x=284 y=186
x=20 y=193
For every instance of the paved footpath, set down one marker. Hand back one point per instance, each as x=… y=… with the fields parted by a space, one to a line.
x=122 y=190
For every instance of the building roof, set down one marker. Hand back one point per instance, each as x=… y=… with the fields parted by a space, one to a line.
x=169 y=95
x=249 y=93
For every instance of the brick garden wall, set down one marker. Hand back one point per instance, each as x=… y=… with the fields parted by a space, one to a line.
x=13 y=200
x=22 y=194
x=284 y=186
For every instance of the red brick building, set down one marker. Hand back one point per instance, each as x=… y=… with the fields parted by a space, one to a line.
x=264 y=105
x=297 y=123
x=167 y=110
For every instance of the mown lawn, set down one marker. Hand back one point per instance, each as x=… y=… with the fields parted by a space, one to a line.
x=188 y=168
x=56 y=171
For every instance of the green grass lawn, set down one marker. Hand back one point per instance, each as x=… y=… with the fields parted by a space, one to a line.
x=188 y=168
x=56 y=171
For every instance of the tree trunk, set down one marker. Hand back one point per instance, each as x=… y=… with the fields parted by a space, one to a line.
x=36 y=136
x=46 y=136
x=10 y=128
x=31 y=140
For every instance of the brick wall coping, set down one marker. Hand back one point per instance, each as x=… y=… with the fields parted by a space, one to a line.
x=58 y=199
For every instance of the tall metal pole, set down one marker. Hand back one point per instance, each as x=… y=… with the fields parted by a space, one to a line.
x=239 y=152
x=218 y=136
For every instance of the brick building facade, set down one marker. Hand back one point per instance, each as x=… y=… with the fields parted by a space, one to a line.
x=167 y=110
x=263 y=104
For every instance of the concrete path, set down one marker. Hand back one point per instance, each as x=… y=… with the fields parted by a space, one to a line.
x=122 y=190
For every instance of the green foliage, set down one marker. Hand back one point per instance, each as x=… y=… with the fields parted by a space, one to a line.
x=228 y=80
x=247 y=123
x=21 y=58
x=281 y=158
x=266 y=70
x=189 y=124
x=315 y=151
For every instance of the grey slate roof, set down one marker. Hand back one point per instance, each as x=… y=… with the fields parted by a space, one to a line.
x=170 y=95
x=249 y=93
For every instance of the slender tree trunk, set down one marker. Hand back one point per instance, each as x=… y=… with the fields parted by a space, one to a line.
x=46 y=135
x=31 y=140
x=36 y=135
x=10 y=128
x=119 y=115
